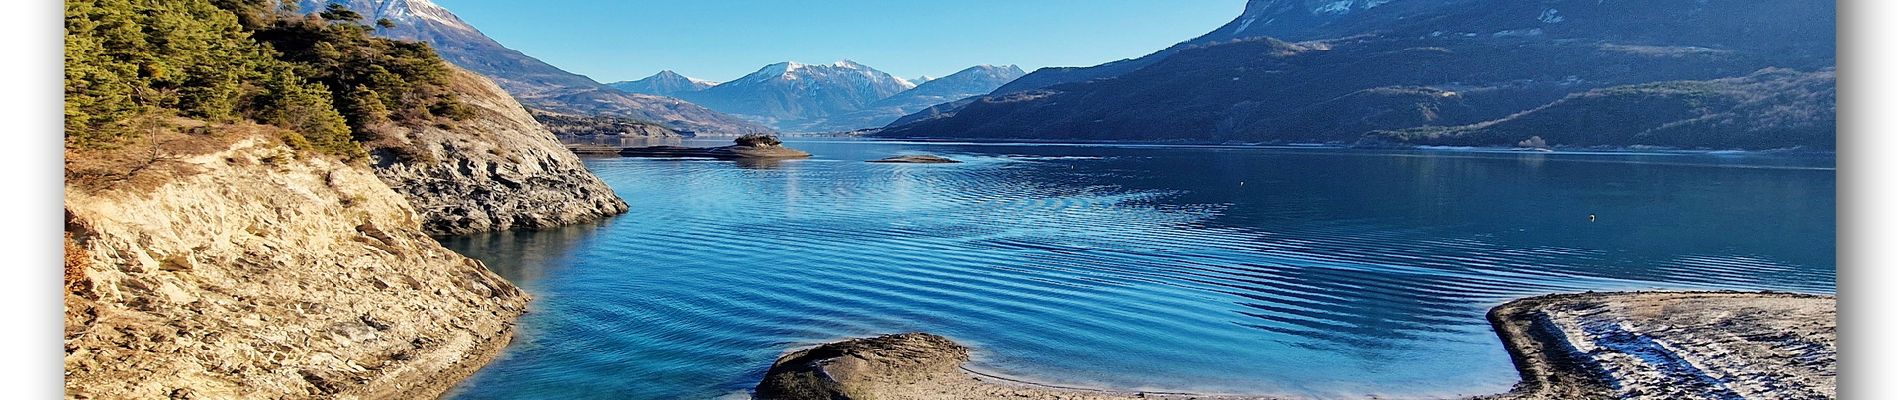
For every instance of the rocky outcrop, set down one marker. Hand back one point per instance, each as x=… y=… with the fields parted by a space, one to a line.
x=1640 y=345
x=1671 y=345
x=253 y=272
x=858 y=368
x=912 y=366
x=497 y=170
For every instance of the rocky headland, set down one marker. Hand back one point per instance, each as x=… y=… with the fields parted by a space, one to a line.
x=248 y=271
x=222 y=260
x=498 y=170
x=1638 y=345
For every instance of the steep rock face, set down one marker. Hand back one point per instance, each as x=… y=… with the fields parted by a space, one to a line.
x=534 y=82
x=496 y=171
x=259 y=274
x=665 y=83
x=788 y=95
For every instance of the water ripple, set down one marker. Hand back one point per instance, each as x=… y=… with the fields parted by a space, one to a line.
x=1325 y=275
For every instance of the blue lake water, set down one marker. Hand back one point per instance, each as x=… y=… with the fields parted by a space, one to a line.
x=1312 y=272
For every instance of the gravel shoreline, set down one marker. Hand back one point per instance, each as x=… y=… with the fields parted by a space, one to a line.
x=1625 y=345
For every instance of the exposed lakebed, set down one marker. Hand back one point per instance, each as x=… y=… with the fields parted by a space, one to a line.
x=1317 y=272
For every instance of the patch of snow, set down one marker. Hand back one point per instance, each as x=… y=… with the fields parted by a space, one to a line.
x=429 y=11
x=1243 y=26
x=1519 y=33
x=1550 y=16
x=1336 y=7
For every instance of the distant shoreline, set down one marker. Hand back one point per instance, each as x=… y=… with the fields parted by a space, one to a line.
x=1340 y=146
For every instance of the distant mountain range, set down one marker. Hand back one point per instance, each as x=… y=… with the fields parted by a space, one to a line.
x=533 y=82
x=1679 y=73
x=972 y=81
x=786 y=94
x=841 y=96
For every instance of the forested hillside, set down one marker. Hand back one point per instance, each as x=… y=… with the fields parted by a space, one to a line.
x=132 y=63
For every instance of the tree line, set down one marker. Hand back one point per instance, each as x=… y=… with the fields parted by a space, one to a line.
x=322 y=76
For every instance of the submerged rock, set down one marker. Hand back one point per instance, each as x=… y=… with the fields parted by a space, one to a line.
x=916 y=159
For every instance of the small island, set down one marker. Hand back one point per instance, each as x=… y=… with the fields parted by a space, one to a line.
x=916 y=159
x=750 y=146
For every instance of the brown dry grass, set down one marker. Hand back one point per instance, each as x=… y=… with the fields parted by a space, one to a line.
x=76 y=262
x=145 y=162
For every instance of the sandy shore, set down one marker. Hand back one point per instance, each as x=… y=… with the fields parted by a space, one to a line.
x=1641 y=345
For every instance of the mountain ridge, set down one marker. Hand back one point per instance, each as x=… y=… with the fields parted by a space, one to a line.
x=972 y=81
x=535 y=83
x=1465 y=62
x=664 y=83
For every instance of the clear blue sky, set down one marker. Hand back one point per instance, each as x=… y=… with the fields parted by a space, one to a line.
x=614 y=40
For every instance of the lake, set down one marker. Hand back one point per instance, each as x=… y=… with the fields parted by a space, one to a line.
x=1251 y=270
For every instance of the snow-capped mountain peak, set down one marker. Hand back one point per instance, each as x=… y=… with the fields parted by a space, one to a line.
x=841 y=71
x=401 y=12
x=792 y=90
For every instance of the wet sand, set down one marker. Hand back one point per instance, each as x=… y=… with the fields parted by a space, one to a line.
x=1635 y=345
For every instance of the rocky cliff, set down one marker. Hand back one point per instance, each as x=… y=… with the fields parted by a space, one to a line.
x=246 y=270
x=497 y=170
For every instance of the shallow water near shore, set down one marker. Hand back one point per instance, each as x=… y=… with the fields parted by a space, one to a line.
x=1212 y=269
